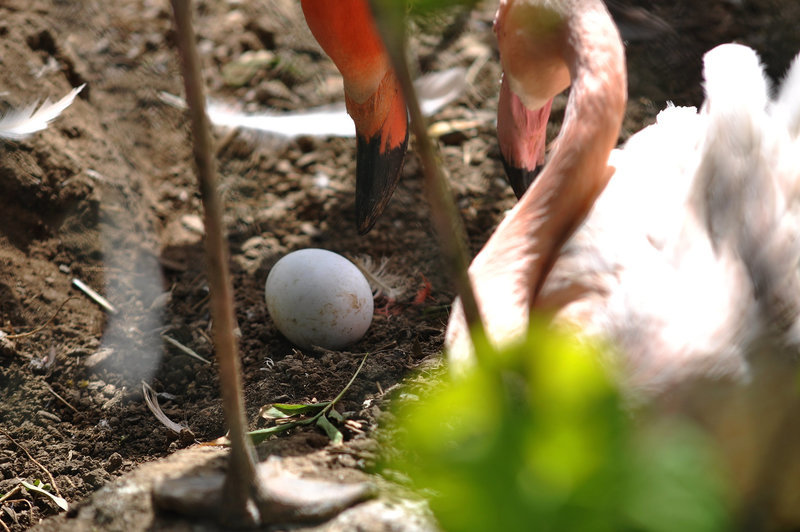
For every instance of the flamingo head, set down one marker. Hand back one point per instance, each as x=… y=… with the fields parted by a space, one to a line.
x=530 y=37
x=522 y=135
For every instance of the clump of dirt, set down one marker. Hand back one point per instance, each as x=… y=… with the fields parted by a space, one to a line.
x=107 y=195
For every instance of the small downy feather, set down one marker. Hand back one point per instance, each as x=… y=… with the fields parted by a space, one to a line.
x=381 y=282
x=19 y=123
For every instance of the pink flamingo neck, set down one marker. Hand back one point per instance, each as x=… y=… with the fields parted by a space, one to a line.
x=580 y=37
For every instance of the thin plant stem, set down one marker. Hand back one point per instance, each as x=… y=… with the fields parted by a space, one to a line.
x=390 y=19
x=40 y=327
x=344 y=390
x=241 y=478
x=32 y=459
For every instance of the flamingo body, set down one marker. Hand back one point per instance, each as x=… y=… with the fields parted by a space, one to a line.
x=699 y=208
x=688 y=258
x=687 y=261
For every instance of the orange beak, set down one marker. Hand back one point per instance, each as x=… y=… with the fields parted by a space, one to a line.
x=522 y=135
x=346 y=31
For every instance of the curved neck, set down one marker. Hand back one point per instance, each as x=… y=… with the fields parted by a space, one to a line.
x=346 y=32
x=561 y=197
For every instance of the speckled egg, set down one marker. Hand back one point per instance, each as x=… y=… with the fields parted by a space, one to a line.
x=319 y=298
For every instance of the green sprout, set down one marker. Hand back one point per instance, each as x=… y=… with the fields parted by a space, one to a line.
x=45 y=489
x=297 y=415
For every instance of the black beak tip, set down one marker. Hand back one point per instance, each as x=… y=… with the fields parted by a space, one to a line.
x=520 y=178
x=377 y=175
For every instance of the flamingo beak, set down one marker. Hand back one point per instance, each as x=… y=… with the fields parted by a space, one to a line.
x=346 y=31
x=522 y=135
x=381 y=144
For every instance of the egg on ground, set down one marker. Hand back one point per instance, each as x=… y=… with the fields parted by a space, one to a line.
x=319 y=298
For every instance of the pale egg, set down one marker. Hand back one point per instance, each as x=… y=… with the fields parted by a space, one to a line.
x=318 y=298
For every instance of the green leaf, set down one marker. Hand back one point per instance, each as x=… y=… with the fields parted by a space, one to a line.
x=422 y=7
x=271 y=413
x=333 y=433
x=257 y=436
x=294 y=410
x=433 y=6
x=283 y=410
x=336 y=416
x=60 y=502
x=673 y=467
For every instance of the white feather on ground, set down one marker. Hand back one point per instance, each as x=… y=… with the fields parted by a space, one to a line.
x=19 y=123
x=435 y=90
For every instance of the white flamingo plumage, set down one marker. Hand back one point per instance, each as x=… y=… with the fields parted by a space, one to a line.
x=687 y=261
x=701 y=207
x=689 y=257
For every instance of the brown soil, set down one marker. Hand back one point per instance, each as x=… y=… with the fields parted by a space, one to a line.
x=107 y=196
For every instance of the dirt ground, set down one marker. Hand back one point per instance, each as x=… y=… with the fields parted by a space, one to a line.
x=107 y=196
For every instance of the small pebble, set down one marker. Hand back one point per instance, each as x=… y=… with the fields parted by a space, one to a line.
x=114 y=462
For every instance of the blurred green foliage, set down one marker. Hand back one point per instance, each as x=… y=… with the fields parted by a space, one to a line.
x=432 y=16
x=423 y=7
x=541 y=440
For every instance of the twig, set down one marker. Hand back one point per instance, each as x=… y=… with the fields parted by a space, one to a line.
x=61 y=398
x=185 y=349
x=10 y=493
x=200 y=303
x=39 y=328
x=94 y=296
x=5 y=526
x=50 y=476
x=23 y=501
